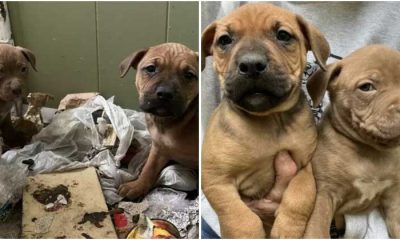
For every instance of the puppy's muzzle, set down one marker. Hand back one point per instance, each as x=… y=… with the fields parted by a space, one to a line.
x=164 y=102
x=253 y=86
x=17 y=92
x=252 y=65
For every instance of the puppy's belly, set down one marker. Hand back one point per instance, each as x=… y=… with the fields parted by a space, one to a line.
x=255 y=183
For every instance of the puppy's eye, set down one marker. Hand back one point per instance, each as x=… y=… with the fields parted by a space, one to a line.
x=284 y=36
x=150 y=69
x=366 y=87
x=189 y=75
x=224 y=40
x=24 y=69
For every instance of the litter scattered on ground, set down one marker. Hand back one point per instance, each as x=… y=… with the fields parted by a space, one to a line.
x=85 y=212
x=173 y=206
x=94 y=218
x=51 y=195
x=147 y=228
x=93 y=131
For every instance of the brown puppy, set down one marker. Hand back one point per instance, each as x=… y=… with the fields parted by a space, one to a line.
x=167 y=82
x=259 y=54
x=357 y=161
x=14 y=67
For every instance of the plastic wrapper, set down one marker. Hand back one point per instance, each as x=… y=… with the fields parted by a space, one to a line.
x=171 y=205
x=12 y=181
x=71 y=141
x=178 y=177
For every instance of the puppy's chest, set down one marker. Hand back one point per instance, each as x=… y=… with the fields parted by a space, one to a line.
x=255 y=173
x=182 y=148
x=367 y=180
x=367 y=194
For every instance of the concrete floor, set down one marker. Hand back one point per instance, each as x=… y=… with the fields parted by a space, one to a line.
x=12 y=227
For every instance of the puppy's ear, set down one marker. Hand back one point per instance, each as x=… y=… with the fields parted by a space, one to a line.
x=316 y=42
x=49 y=97
x=319 y=81
x=131 y=61
x=30 y=57
x=207 y=39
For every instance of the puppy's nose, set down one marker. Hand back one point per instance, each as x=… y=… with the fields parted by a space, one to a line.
x=17 y=91
x=165 y=93
x=252 y=64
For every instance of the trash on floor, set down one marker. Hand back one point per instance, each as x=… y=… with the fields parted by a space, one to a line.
x=147 y=228
x=36 y=101
x=85 y=210
x=96 y=134
x=75 y=100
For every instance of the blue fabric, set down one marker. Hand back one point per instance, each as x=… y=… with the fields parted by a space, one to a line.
x=207 y=232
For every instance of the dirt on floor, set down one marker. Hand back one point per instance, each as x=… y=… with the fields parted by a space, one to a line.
x=11 y=228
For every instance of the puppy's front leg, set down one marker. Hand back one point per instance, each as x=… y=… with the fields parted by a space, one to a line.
x=321 y=217
x=236 y=219
x=391 y=213
x=147 y=178
x=296 y=206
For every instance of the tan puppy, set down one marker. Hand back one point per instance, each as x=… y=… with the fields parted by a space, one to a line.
x=259 y=55
x=14 y=68
x=357 y=161
x=167 y=82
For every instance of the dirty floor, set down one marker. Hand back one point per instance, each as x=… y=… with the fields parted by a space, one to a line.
x=12 y=227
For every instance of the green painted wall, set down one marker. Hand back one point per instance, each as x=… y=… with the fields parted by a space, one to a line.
x=79 y=45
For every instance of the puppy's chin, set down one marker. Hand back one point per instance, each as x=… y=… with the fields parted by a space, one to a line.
x=258 y=101
x=8 y=97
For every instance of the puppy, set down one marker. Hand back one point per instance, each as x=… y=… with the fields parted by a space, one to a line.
x=259 y=53
x=167 y=83
x=357 y=161
x=14 y=68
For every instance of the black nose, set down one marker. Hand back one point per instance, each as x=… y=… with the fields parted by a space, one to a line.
x=252 y=64
x=17 y=91
x=165 y=93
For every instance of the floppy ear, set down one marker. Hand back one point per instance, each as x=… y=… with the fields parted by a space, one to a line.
x=319 y=81
x=131 y=61
x=207 y=39
x=30 y=57
x=49 y=97
x=197 y=57
x=316 y=42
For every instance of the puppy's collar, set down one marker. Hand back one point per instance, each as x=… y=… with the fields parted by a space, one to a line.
x=335 y=56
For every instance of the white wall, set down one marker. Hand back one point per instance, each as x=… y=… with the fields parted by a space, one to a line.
x=5 y=28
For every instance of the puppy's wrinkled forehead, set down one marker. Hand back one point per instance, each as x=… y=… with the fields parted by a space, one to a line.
x=256 y=20
x=377 y=59
x=170 y=55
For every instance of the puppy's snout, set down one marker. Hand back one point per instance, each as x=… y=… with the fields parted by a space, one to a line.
x=252 y=64
x=165 y=93
x=17 y=91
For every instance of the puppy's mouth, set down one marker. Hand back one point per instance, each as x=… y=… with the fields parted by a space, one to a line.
x=258 y=97
x=160 y=108
x=259 y=100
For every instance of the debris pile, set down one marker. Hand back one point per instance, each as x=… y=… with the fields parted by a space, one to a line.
x=100 y=134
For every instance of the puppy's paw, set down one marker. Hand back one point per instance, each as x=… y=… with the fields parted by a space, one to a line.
x=243 y=226
x=134 y=190
x=286 y=226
